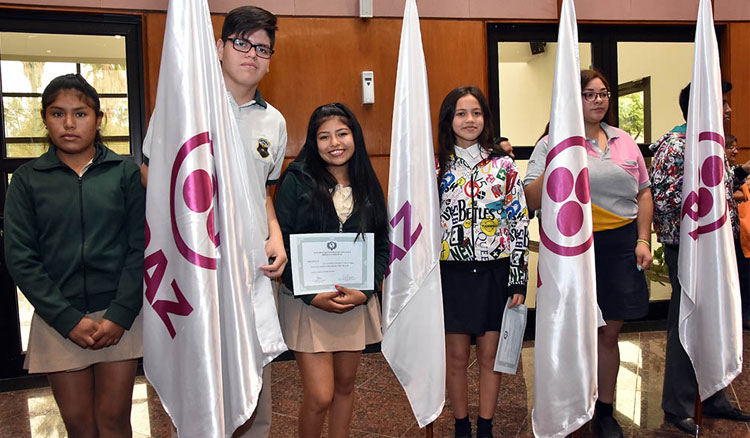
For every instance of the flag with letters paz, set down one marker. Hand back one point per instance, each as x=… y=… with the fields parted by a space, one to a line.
x=210 y=321
x=710 y=324
x=567 y=314
x=413 y=327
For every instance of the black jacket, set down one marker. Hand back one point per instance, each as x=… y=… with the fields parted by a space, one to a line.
x=297 y=215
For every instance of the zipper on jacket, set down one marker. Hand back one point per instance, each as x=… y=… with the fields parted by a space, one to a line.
x=83 y=241
x=473 y=218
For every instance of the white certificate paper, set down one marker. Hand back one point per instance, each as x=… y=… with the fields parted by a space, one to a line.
x=511 y=338
x=321 y=261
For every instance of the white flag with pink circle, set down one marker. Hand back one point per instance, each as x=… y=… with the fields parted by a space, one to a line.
x=710 y=321
x=567 y=315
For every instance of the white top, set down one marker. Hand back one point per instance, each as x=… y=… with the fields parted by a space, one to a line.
x=472 y=155
x=263 y=134
x=343 y=202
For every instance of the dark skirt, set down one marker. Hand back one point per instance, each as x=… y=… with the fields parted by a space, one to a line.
x=621 y=289
x=474 y=295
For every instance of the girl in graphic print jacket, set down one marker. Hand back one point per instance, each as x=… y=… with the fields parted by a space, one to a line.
x=484 y=248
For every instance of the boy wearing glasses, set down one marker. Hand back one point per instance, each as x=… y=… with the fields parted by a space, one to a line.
x=245 y=50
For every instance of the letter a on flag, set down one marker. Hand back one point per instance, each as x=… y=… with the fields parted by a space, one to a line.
x=567 y=315
x=210 y=322
x=413 y=327
x=710 y=325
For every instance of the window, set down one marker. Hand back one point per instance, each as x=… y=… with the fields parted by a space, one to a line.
x=106 y=54
x=28 y=61
x=634 y=109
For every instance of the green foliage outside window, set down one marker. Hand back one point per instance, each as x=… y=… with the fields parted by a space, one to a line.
x=631 y=114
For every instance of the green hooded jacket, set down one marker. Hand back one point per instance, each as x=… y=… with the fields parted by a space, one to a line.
x=74 y=245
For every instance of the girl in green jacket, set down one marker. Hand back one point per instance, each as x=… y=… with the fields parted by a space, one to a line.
x=74 y=234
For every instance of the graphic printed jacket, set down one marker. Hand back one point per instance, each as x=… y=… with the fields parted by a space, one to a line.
x=484 y=215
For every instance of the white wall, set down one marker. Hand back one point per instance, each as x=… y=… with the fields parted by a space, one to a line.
x=526 y=81
x=525 y=86
x=670 y=67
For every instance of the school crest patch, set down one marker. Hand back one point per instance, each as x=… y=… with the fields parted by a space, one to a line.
x=263 y=145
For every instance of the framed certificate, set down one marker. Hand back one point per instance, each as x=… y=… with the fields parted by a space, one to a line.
x=322 y=260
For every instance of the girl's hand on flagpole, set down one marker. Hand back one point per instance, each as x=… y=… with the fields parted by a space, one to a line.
x=275 y=251
x=517 y=300
x=350 y=296
x=276 y=257
x=328 y=301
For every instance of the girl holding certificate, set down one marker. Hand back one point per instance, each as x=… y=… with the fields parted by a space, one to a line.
x=484 y=248
x=331 y=188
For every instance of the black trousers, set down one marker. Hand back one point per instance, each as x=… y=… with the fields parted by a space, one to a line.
x=680 y=386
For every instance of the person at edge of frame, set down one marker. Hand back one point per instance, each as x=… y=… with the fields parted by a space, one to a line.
x=680 y=385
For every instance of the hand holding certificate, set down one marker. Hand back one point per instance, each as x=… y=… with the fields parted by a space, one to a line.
x=320 y=261
x=511 y=338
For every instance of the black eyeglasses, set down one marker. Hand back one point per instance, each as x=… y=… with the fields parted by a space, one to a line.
x=590 y=96
x=244 y=46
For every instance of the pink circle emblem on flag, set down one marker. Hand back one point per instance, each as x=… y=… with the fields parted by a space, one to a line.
x=567 y=190
x=193 y=196
x=701 y=206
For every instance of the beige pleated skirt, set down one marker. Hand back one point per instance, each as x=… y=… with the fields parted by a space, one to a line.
x=308 y=329
x=50 y=352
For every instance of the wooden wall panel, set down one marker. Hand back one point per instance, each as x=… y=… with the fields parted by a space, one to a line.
x=320 y=60
x=737 y=56
x=153 y=40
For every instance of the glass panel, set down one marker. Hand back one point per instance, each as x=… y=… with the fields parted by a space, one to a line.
x=25 y=312
x=669 y=66
x=30 y=61
x=631 y=114
x=30 y=76
x=116 y=121
x=22 y=117
x=121 y=147
x=526 y=76
x=106 y=78
x=26 y=150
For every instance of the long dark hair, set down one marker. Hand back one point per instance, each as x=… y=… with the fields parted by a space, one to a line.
x=366 y=188
x=446 y=136
x=72 y=81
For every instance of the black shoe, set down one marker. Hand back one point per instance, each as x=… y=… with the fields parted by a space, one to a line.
x=733 y=414
x=686 y=424
x=607 y=427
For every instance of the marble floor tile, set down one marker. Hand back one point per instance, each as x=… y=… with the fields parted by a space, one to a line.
x=382 y=411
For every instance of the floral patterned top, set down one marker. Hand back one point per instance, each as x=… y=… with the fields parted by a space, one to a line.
x=666 y=186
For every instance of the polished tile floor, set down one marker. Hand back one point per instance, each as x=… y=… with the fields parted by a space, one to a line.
x=381 y=408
